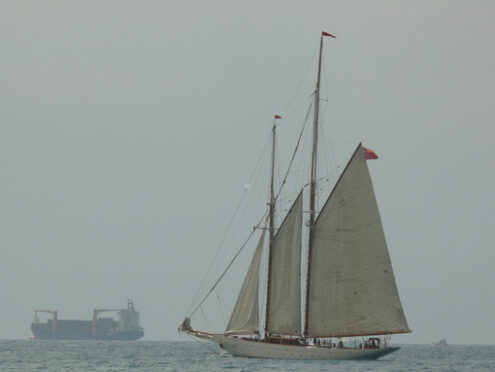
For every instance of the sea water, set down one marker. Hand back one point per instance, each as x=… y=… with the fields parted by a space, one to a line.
x=105 y=356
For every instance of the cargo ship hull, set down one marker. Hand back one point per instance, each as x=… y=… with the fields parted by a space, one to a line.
x=80 y=330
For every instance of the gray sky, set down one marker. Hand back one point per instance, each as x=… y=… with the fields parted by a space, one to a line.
x=129 y=128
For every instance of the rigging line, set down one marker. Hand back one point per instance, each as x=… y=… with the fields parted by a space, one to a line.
x=325 y=146
x=294 y=153
x=220 y=304
x=325 y=133
x=205 y=319
x=331 y=164
x=261 y=195
x=230 y=264
x=325 y=75
x=300 y=168
x=330 y=174
x=208 y=271
x=248 y=201
x=297 y=171
x=302 y=81
x=296 y=108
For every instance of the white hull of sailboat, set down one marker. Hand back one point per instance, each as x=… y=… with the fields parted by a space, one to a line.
x=257 y=349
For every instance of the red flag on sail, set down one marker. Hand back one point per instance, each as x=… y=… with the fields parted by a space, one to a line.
x=323 y=33
x=369 y=154
x=278 y=117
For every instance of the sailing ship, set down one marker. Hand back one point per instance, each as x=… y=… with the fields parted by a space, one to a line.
x=351 y=292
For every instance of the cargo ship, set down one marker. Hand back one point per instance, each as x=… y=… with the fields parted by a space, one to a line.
x=125 y=328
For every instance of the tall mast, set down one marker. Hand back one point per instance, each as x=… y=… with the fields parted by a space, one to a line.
x=272 y=223
x=312 y=194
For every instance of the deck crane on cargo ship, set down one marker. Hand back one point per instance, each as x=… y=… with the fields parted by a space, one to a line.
x=95 y=317
x=54 y=314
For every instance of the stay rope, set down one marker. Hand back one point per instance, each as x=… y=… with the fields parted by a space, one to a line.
x=230 y=264
x=229 y=227
x=265 y=215
x=260 y=221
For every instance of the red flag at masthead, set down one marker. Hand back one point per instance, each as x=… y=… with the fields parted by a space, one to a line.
x=324 y=33
x=278 y=117
x=369 y=154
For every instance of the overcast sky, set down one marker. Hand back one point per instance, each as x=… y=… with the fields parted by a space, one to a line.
x=128 y=130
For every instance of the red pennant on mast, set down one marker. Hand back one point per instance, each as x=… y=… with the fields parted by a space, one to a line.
x=278 y=117
x=324 y=33
x=369 y=154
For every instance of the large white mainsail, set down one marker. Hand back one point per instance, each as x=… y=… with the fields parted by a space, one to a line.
x=284 y=310
x=352 y=286
x=245 y=316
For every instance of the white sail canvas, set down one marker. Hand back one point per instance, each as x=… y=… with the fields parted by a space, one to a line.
x=284 y=309
x=352 y=286
x=245 y=316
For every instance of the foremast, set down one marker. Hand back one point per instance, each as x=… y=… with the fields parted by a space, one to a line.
x=283 y=304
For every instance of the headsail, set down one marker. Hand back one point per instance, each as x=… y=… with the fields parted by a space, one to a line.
x=245 y=316
x=285 y=292
x=353 y=290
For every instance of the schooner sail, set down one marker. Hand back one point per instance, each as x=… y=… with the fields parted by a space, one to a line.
x=245 y=316
x=284 y=313
x=350 y=286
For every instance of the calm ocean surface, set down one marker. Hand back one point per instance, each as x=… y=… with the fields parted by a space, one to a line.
x=31 y=355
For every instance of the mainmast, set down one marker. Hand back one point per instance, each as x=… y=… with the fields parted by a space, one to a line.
x=271 y=222
x=312 y=195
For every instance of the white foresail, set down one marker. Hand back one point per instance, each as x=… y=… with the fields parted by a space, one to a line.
x=245 y=316
x=352 y=286
x=285 y=289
